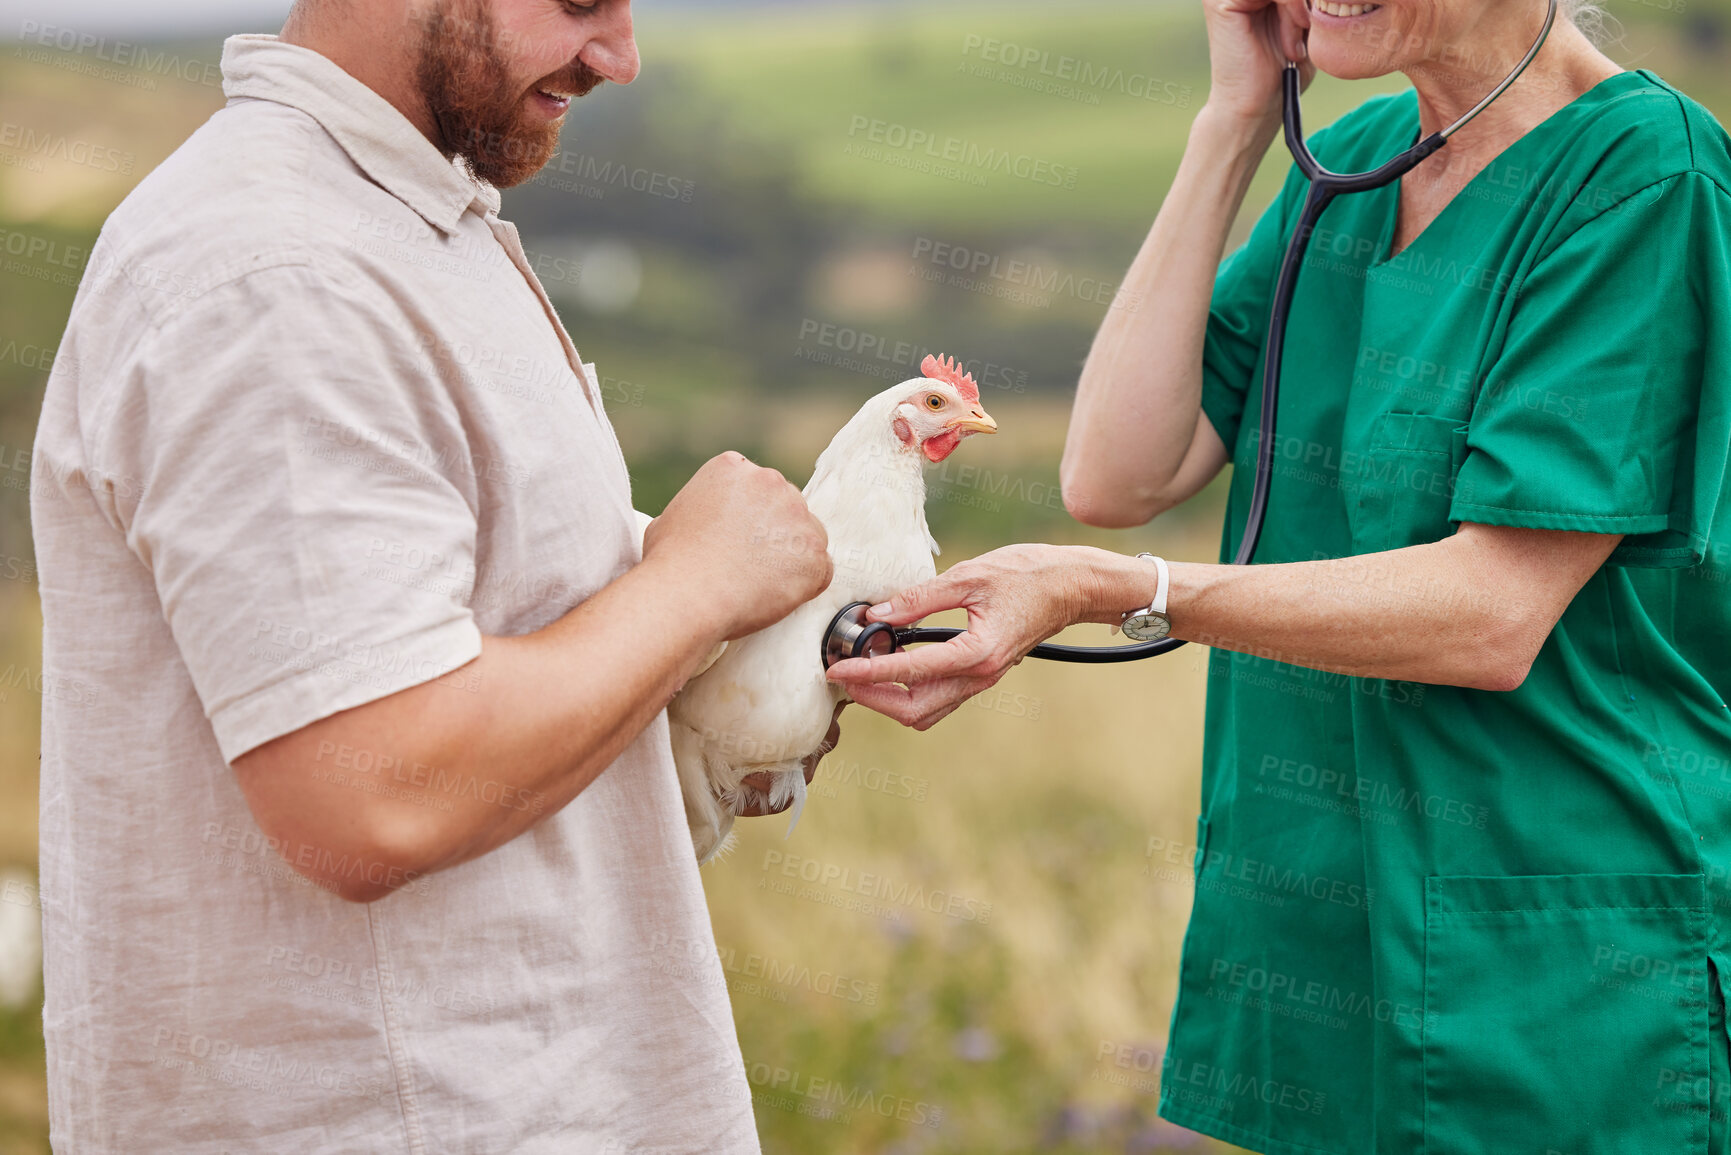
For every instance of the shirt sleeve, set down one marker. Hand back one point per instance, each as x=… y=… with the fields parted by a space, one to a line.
x=1238 y=317
x=306 y=500
x=1608 y=409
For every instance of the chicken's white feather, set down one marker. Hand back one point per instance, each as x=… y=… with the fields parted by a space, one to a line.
x=764 y=705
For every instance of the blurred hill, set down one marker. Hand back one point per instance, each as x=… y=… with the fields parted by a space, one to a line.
x=793 y=200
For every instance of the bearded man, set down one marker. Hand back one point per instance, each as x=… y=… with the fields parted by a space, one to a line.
x=360 y=829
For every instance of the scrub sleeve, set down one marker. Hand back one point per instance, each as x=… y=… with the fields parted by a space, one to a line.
x=1609 y=409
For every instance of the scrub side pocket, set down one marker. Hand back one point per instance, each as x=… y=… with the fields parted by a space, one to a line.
x=1192 y=970
x=1189 y=970
x=1565 y=1013
x=1717 y=1091
x=1406 y=481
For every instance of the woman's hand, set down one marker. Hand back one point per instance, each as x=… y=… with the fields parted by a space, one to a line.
x=1016 y=598
x=1249 y=43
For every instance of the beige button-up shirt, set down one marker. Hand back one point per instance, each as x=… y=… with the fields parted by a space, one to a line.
x=314 y=430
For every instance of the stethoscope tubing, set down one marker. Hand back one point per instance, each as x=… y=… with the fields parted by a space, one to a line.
x=1325 y=186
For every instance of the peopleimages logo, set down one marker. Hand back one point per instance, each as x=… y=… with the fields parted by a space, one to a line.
x=889 y=358
x=954 y=150
x=894 y=893
x=33 y=36
x=1070 y=77
x=978 y=267
x=39 y=143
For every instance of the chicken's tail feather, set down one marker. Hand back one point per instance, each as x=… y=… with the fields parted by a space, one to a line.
x=711 y=826
x=789 y=785
x=723 y=849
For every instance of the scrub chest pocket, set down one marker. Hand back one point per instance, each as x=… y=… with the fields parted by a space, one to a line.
x=1406 y=481
x=1567 y=1013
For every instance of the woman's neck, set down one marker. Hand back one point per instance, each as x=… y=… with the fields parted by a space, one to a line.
x=1448 y=87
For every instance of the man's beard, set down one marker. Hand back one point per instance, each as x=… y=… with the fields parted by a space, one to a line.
x=476 y=107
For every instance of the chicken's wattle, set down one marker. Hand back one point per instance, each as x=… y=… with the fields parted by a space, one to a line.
x=939 y=447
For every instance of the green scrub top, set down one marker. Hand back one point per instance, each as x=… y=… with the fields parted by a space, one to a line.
x=1434 y=919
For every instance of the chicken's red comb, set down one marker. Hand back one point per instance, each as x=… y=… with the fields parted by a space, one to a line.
x=950 y=372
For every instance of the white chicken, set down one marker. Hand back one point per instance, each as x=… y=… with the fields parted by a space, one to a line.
x=762 y=704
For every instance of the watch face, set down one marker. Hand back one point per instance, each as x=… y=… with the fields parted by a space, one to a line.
x=1148 y=627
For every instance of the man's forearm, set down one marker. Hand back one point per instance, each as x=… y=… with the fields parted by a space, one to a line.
x=1471 y=610
x=556 y=707
x=513 y=738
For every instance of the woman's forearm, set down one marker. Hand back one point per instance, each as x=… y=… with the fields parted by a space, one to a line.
x=1139 y=402
x=1402 y=615
x=1470 y=610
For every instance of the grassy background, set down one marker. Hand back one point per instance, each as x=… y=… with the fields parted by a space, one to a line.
x=1035 y=806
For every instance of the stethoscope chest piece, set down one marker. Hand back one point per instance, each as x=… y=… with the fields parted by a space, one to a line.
x=851 y=636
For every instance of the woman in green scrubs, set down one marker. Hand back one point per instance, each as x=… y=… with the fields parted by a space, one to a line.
x=1464 y=865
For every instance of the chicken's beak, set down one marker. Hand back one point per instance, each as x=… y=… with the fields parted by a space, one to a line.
x=976 y=422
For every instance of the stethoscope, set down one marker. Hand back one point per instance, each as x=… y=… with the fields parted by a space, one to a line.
x=851 y=636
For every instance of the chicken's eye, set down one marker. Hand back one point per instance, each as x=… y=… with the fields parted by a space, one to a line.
x=934 y=402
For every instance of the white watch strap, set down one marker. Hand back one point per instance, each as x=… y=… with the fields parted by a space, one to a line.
x=1163 y=582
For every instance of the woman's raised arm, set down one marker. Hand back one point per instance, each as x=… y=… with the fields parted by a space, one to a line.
x=1138 y=443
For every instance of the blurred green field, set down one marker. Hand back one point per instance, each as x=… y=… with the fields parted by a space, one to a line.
x=1005 y=77
x=1027 y=1011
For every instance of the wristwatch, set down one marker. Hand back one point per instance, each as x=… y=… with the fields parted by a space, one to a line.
x=1151 y=623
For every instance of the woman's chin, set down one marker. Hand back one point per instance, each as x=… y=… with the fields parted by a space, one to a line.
x=1347 y=61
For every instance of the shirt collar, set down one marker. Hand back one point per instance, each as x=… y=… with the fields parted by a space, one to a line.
x=377 y=137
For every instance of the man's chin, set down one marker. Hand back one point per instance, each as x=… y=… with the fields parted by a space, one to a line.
x=509 y=159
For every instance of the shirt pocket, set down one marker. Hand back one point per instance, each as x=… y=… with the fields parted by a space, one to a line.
x=1405 y=481
x=1566 y=1013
